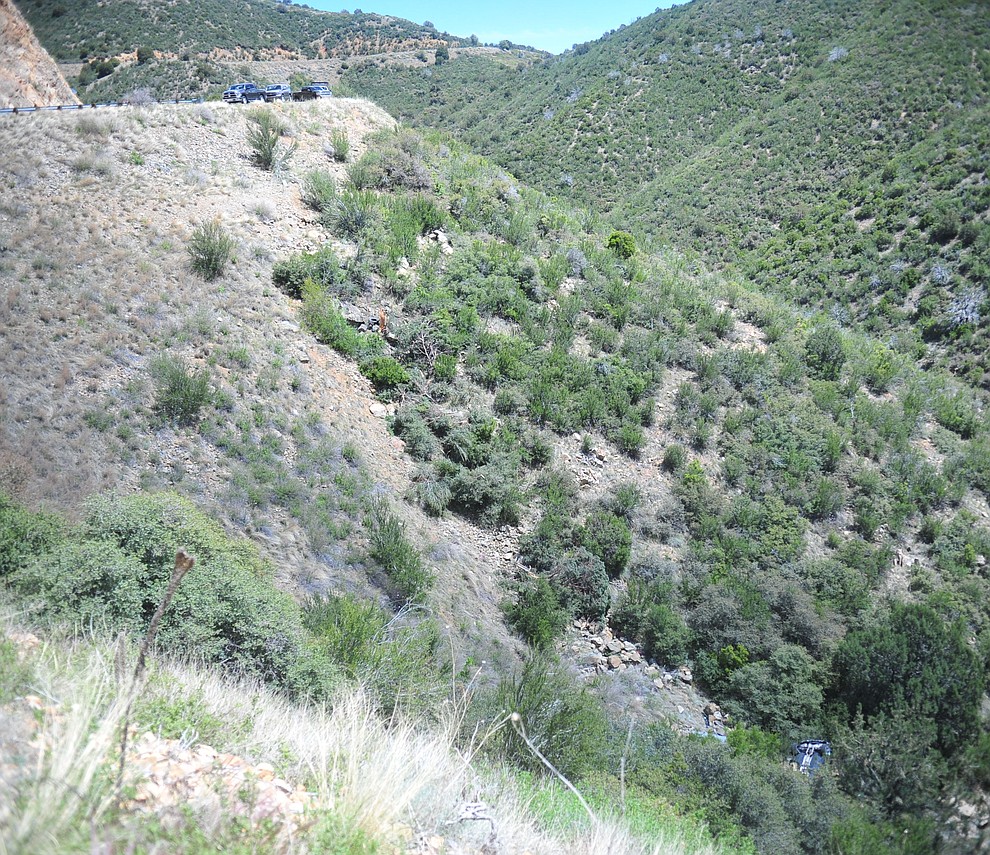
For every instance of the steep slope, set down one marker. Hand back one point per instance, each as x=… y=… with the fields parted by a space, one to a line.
x=28 y=76
x=757 y=501
x=789 y=138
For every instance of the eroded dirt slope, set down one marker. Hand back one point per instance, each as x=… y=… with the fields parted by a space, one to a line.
x=28 y=75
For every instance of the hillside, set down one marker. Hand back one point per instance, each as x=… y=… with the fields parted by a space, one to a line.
x=195 y=49
x=28 y=77
x=454 y=414
x=215 y=29
x=790 y=140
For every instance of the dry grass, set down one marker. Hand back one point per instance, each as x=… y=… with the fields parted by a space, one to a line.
x=67 y=788
x=390 y=780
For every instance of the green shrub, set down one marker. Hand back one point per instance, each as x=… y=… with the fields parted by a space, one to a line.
x=409 y=580
x=180 y=392
x=445 y=367
x=412 y=429
x=25 y=535
x=608 y=536
x=674 y=458
x=226 y=611
x=956 y=412
x=92 y=583
x=264 y=138
x=353 y=213
x=324 y=320
x=564 y=721
x=323 y=267
x=319 y=190
x=824 y=353
x=536 y=613
x=754 y=742
x=392 y=658
x=645 y=613
x=622 y=244
x=912 y=663
x=385 y=374
x=827 y=500
x=489 y=493
x=211 y=250
x=15 y=674
x=180 y=718
x=340 y=145
x=582 y=584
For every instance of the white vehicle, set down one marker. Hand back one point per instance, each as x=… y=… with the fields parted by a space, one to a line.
x=278 y=92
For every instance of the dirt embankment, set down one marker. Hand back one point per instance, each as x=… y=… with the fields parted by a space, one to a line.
x=28 y=75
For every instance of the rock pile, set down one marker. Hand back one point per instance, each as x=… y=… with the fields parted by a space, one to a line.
x=597 y=650
x=169 y=776
x=602 y=651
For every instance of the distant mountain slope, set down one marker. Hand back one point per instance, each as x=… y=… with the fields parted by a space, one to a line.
x=838 y=150
x=218 y=29
x=27 y=74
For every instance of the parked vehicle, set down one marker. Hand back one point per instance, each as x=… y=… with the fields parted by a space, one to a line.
x=243 y=93
x=314 y=90
x=278 y=92
x=232 y=94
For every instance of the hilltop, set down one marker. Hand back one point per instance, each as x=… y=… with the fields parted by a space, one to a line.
x=790 y=140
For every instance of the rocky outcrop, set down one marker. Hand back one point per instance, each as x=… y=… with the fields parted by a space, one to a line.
x=28 y=75
x=596 y=651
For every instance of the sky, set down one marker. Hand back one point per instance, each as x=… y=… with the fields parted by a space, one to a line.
x=553 y=26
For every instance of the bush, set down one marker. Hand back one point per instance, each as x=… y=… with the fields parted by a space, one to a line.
x=24 y=535
x=956 y=413
x=211 y=250
x=582 y=584
x=536 y=613
x=489 y=493
x=622 y=244
x=226 y=611
x=340 y=145
x=324 y=320
x=180 y=392
x=353 y=213
x=824 y=353
x=645 y=614
x=319 y=190
x=322 y=267
x=264 y=138
x=912 y=663
x=629 y=439
x=608 y=536
x=408 y=578
x=392 y=659
x=385 y=374
x=674 y=458
x=15 y=675
x=564 y=721
x=411 y=428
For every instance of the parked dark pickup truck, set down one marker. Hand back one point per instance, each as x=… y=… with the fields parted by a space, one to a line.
x=314 y=90
x=243 y=93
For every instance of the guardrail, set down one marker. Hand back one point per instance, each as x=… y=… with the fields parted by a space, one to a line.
x=60 y=107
